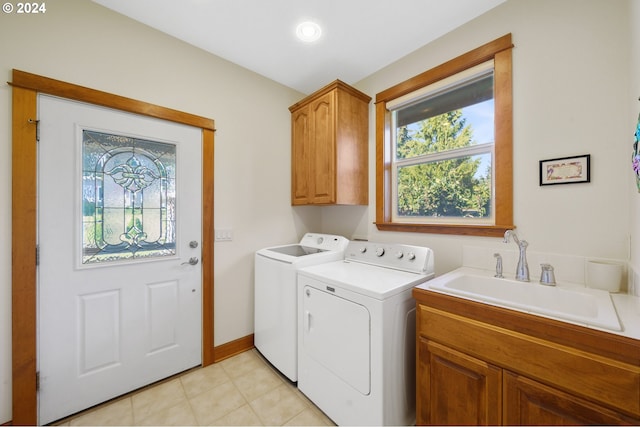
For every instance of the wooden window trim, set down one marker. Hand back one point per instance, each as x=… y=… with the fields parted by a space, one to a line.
x=26 y=88
x=500 y=51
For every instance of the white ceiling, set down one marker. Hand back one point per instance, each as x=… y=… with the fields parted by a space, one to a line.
x=359 y=37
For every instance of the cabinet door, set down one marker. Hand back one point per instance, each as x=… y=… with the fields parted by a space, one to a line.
x=527 y=402
x=322 y=173
x=300 y=156
x=456 y=389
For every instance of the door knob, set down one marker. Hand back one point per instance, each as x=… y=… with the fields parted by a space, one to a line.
x=192 y=261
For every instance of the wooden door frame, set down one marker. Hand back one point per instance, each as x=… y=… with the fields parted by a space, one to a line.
x=26 y=87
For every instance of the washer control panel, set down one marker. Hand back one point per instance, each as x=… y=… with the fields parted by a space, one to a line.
x=327 y=242
x=415 y=259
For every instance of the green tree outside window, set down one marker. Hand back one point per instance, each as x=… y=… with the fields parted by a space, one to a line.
x=457 y=187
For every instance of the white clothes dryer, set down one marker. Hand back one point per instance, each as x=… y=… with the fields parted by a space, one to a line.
x=356 y=333
x=276 y=302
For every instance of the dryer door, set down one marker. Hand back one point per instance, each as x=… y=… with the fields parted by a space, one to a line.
x=337 y=335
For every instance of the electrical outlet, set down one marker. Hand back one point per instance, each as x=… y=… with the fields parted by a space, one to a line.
x=223 y=234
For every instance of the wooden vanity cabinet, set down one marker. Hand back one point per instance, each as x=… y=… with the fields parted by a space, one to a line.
x=484 y=365
x=329 y=147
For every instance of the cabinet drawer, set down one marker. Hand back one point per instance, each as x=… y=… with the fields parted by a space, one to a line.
x=610 y=382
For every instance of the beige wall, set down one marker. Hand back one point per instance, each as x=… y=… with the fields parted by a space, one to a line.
x=83 y=43
x=573 y=94
x=571 y=78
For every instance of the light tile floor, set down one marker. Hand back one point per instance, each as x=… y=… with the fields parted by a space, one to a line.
x=242 y=390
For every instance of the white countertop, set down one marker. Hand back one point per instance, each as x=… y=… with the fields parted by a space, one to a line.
x=628 y=309
x=627 y=306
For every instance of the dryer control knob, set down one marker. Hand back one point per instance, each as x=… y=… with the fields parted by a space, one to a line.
x=320 y=240
x=411 y=256
x=399 y=254
x=363 y=249
x=380 y=251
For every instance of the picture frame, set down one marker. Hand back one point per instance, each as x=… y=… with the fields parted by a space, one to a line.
x=566 y=170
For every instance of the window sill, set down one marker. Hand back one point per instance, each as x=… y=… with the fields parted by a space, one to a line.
x=457 y=229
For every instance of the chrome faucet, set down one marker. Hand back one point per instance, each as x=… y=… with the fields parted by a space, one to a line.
x=522 y=270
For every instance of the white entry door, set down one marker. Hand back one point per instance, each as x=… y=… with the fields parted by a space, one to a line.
x=119 y=233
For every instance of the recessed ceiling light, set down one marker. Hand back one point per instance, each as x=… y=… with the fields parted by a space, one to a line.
x=308 y=31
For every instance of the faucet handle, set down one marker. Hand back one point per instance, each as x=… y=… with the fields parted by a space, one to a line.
x=498 y=258
x=547 y=277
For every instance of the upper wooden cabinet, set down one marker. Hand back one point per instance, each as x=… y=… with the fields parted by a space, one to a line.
x=329 y=146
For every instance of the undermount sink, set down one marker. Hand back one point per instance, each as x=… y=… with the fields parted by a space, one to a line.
x=579 y=305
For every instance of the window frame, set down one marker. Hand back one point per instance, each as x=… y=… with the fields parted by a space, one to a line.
x=500 y=51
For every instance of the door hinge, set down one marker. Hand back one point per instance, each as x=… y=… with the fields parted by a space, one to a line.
x=37 y=123
x=37 y=380
x=37 y=254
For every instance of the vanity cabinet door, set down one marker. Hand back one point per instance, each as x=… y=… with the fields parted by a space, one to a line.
x=456 y=389
x=527 y=402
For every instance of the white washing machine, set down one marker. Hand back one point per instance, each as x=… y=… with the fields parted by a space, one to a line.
x=356 y=333
x=276 y=301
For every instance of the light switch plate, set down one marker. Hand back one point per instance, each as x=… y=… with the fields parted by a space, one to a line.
x=223 y=234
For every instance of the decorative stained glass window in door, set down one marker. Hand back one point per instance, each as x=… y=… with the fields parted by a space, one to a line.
x=128 y=198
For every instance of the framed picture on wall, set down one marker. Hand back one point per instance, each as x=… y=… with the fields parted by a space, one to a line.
x=565 y=170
